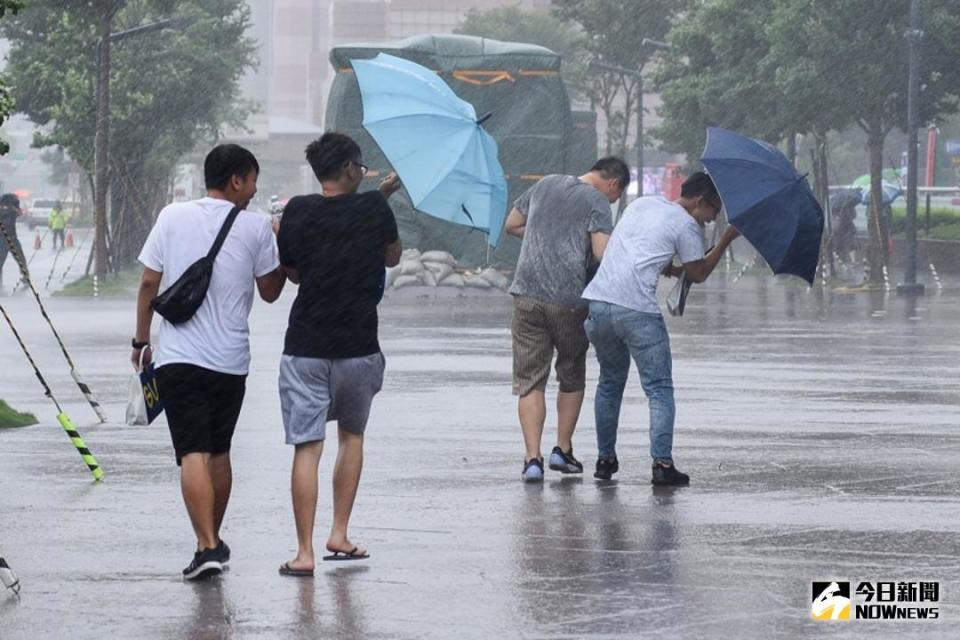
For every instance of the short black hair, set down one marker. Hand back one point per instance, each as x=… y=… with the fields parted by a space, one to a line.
x=10 y=200
x=225 y=161
x=613 y=167
x=329 y=153
x=701 y=184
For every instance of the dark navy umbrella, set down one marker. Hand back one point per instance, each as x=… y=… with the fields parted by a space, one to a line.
x=766 y=200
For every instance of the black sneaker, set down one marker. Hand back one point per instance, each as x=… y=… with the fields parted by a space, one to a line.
x=533 y=470
x=205 y=563
x=564 y=462
x=606 y=467
x=667 y=475
x=224 y=550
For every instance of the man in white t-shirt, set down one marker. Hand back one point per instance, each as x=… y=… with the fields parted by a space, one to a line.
x=625 y=319
x=202 y=363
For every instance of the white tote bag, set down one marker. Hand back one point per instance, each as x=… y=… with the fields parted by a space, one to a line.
x=677 y=298
x=136 y=407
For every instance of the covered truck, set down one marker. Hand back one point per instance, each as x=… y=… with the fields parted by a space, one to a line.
x=518 y=84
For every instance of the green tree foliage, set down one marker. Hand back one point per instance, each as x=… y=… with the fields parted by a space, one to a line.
x=170 y=90
x=6 y=101
x=772 y=68
x=719 y=74
x=849 y=59
x=613 y=33
x=513 y=24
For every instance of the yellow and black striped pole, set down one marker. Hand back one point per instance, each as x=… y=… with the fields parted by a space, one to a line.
x=62 y=417
x=81 y=446
x=84 y=389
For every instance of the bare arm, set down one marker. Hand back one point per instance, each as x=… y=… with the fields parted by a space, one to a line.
x=598 y=242
x=516 y=224
x=700 y=270
x=389 y=185
x=149 y=288
x=270 y=285
x=392 y=253
x=293 y=274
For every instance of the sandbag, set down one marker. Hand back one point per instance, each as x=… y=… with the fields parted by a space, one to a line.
x=495 y=278
x=411 y=267
x=429 y=278
x=439 y=256
x=410 y=254
x=439 y=269
x=453 y=280
x=392 y=274
x=474 y=281
x=406 y=281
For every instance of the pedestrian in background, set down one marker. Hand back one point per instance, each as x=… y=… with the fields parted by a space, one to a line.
x=58 y=223
x=9 y=212
x=564 y=222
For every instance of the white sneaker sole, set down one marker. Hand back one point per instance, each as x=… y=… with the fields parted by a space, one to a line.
x=208 y=568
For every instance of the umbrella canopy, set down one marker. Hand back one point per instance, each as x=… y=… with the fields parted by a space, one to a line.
x=448 y=164
x=888 y=175
x=766 y=200
x=847 y=197
x=888 y=193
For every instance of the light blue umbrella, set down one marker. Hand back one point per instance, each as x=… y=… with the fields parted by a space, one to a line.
x=446 y=161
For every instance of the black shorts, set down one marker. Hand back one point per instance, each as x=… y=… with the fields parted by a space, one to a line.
x=202 y=407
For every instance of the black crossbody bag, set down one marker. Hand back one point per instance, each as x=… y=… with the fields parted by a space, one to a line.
x=182 y=299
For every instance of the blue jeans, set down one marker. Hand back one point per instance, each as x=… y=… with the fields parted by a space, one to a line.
x=617 y=333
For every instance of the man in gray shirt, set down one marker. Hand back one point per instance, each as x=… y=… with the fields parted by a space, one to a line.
x=565 y=223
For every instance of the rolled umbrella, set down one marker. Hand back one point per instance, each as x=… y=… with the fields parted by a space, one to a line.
x=766 y=200
x=433 y=139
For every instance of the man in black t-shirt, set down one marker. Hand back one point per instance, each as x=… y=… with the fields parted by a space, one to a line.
x=335 y=246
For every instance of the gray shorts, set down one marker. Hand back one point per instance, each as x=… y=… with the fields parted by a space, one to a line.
x=314 y=391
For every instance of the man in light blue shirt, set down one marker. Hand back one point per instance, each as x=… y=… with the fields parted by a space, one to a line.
x=625 y=319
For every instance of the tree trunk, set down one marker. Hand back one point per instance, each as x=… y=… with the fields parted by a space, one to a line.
x=139 y=192
x=875 y=249
x=101 y=145
x=792 y=147
x=629 y=92
x=822 y=192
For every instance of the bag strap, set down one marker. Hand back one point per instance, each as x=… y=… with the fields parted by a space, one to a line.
x=224 y=230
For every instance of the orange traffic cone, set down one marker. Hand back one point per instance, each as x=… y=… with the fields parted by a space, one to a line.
x=68 y=241
x=37 y=242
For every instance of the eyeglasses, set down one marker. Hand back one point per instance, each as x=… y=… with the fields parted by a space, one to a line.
x=363 y=168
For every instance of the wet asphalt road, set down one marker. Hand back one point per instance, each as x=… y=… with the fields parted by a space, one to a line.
x=820 y=431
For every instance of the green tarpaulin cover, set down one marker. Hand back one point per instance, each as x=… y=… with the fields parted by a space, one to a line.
x=518 y=84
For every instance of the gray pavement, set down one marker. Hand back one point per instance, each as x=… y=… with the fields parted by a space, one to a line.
x=820 y=431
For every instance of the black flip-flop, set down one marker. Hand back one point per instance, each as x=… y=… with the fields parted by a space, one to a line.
x=287 y=570
x=347 y=555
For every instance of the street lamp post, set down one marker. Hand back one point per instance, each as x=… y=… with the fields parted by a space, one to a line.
x=913 y=36
x=101 y=144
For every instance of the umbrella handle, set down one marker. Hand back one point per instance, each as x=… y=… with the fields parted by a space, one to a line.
x=485 y=117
